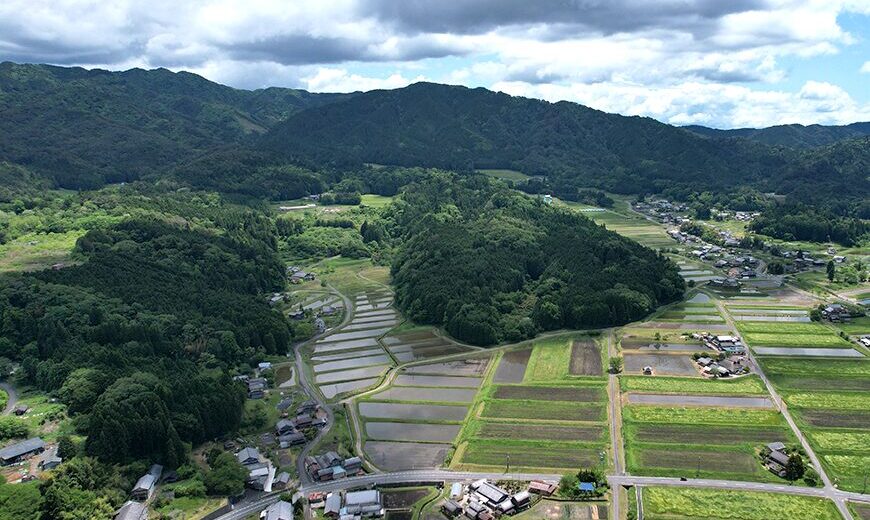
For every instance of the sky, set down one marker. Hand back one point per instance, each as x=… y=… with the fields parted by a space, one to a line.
x=719 y=63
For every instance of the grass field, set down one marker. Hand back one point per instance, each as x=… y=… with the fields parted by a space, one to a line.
x=511 y=175
x=842 y=440
x=37 y=251
x=549 y=361
x=715 y=504
x=830 y=400
x=749 y=385
x=376 y=201
x=757 y=339
x=856 y=326
x=816 y=367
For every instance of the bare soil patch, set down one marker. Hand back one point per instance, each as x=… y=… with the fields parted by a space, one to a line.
x=585 y=359
x=549 y=393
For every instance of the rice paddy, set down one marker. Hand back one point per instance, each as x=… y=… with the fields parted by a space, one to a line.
x=715 y=504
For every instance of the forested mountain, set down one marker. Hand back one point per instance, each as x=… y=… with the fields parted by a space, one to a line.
x=85 y=128
x=796 y=136
x=492 y=265
x=139 y=338
x=574 y=146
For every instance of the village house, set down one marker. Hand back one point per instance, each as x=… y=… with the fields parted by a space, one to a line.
x=451 y=509
x=256 y=388
x=49 y=460
x=144 y=488
x=364 y=504
x=281 y=481
x=132 y=510
x=280 y=510
x=21 y=451
x=248 y=456
x=332 y=506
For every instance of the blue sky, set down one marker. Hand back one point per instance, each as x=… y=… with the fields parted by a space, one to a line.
x=724 y=64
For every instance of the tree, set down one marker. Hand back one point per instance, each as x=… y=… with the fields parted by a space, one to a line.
x=227 y=476
x=616 y=365
x=832 y=270
x=66 y=448
x=11 y=427
x=795 y=467
x=775 y=268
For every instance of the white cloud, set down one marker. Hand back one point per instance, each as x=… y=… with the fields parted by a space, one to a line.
x=866 y=67
x=340 y=80
x=667 y=58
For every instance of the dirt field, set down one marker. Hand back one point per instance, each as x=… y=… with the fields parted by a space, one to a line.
x=674 y=434
x=731 y=461
x=395 y=456
x=585 y=359
x=495 y=453
x=469 y=367
x=548 y=393
x=494 y=430
x=837 y=419
x=404 y=498
x=543 y=410
x=700 y=400
x=553 y=510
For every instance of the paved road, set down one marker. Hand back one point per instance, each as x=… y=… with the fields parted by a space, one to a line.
x=829 y=490
x=419 y=476
x=13 y=397
x=311 y=390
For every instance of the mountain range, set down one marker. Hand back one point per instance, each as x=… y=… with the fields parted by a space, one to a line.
x=84 y=128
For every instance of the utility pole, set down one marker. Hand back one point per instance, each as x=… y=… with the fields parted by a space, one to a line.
x=508 y=464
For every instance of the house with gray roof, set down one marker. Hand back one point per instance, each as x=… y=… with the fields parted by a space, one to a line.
x=248 y=456
x=280 y=510
x=21 y=451
x=132 y=511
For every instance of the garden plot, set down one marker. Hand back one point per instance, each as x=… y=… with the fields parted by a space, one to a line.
x=396 y=456
x=748 y=385
x=332 y=390
x=416 y=394
x=585 y=359
x=447 y=381
x=679 y=503
x=355 y=362
x=543 y=410
x=419 y=412
x=691 y=434
x=528 y=455
x=349 y=375
x=541 y=432
x=512 y=367
x=808 y=352
x=700 y=441
x=662 y=364
x=780 y=319
x=392 y=431
x=550 y=393
x=700 y=400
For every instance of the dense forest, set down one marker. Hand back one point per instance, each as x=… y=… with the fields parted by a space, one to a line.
x=492 y=265
x=140 y=336
x=796 y=136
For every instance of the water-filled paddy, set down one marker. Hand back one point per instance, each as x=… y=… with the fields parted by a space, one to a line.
x=411 y=393
x=357 y=361
x=420 y=412
x=331 y=390
x=512 y=367
x=662 y=364
x=347 y=375
x=448 y=381
x=392 y=431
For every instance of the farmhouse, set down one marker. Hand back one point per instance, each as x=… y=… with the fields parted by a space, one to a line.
x=256 y=388
x=291 y=439
x=487 y=493
x=144 y=488
x=451 y=509
x=836 y=313
x=284 y=426
x=363 y=504
x=132 y=511
x=332 y=508
x=21 y=451
x=49 y=460
x=542 y=488
x=248 y=456
x=281 y=480
x=280 y=510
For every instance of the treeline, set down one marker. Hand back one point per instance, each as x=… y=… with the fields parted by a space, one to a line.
x=139 y=337
x=492 y=265
x=799 y=222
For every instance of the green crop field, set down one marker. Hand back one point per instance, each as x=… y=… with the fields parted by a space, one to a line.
x=816 y=367
x=749 y=385
x=795 y=340
x=856 y=326
x=543 y=410
x=842 y=440
x=715 y=504
x=830 y=400
x=549 y=360
x=720 y=435
x=783 y=328
x=699 y=415
x=376 y=201
x=529 y=454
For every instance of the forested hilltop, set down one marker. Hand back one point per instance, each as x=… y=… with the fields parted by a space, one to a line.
x=492 y=265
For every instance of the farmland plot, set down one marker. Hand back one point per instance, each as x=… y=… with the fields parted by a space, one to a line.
x=748 y=385
x=700 y=400
x=349 y=375
x=662 y=364
x=420 y=412
x=464 y=367
x=691 y=434
x=412 y=394
x=549 y=393
x=396 y=456
x=331 y=390
x=512 y=367
x=528 y=454
x=715 y=504
x=390 y=431
x=448 y=381
x=531 y=431
x=543 y=410
x=585 y=359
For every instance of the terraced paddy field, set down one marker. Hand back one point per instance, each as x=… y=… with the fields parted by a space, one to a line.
x=634 y=226
x=425 y=409
x=714 y=504
x=830 y=400
x=420 y=344
x=699 y=437
x=331 y=390
x=350 y=375
x=534 y=414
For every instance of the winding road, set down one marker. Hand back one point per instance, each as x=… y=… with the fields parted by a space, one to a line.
x=12 y=399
